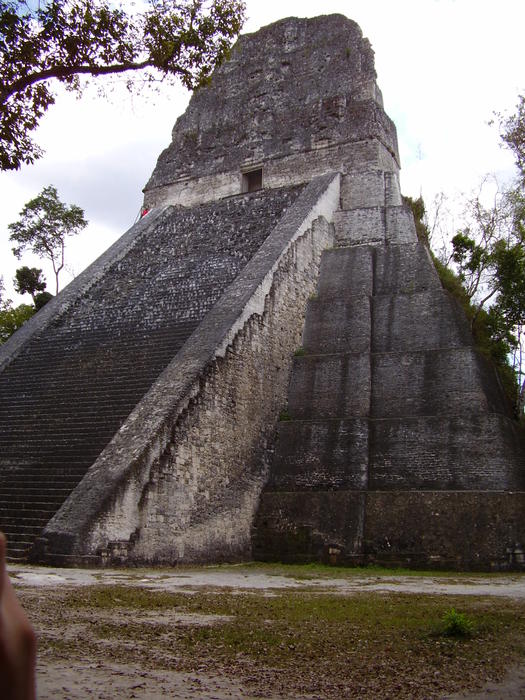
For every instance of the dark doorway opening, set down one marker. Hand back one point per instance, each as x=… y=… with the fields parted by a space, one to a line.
x=252 y=181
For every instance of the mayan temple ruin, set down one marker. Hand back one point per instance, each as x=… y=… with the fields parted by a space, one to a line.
x=266 y=365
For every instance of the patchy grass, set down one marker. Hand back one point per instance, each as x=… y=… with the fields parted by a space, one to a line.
x=327 y=645
x=315 y=570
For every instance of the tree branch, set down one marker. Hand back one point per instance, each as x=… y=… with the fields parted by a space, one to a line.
x=480 y=306
x=63 y=72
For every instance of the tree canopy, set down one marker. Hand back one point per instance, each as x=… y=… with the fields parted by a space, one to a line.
x=4 y=303
x=11 y=319
x=45 y=223
x=513 y=135
x=29 y=280
x=487 y=255
x=68 y=40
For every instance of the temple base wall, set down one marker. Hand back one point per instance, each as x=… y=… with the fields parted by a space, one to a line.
x=454 y=530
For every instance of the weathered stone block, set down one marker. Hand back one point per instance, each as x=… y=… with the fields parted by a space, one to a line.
x=476 y=530
x=419 y=321
x=360 y=226
x=303 y=527
x=404 y=269
x=475 y=452
x=400 y=227
x=392 y=189
x=346 y=272
x=330 y=386
x=338 y=325
x=375 y=225
x=436 y=382
x=363 y=189
x=320 y=455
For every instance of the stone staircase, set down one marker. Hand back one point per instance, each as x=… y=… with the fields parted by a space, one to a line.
x=67 y=393
x=60 y=407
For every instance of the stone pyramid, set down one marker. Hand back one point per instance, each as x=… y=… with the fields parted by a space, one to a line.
x=277 y=273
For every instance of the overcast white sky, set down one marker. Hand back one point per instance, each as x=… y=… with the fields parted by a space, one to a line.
x=444 y=67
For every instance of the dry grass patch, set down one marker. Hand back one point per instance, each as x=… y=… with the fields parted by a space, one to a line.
x=367 y=645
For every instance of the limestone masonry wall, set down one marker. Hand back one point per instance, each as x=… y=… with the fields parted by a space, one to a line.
x=201 y=497
x=188 y=453
x=293 y=169
x=298 y=99
x=477 y=530
x=391 y=413
x=446 y=529
x=295 y=86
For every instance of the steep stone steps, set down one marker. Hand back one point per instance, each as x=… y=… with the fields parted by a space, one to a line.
x=32 y=514
x=22 y=496
x=32 y=491
x=74 y=384
x=76 y=458
x=12 y=491
x=18 y=554
x=45 y=449
x=137 y=376
x=25 y=531
x=16 y=377
x=32 y=471
x=61 y=432
x=46 y=474
x=60 y=426
x=101 y=407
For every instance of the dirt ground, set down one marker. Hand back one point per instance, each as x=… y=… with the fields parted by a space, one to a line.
x=101 y=674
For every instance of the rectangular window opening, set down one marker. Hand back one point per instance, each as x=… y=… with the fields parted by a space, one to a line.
x=252 y=181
